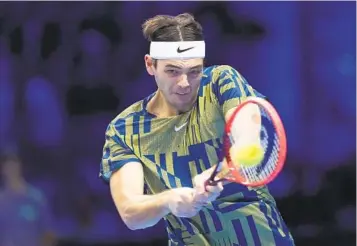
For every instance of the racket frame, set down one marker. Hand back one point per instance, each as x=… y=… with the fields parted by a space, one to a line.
x=280 y=132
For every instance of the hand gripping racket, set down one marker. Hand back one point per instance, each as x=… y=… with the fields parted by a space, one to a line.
x=254 y=122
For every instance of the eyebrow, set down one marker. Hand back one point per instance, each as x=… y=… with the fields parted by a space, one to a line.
x=178 y=67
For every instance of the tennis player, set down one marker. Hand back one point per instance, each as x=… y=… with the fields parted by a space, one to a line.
x=159 y=151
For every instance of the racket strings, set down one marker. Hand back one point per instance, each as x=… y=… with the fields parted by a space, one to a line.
x=269 y=141
x=262 y=171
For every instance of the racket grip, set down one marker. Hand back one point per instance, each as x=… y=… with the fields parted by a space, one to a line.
x=209 y=182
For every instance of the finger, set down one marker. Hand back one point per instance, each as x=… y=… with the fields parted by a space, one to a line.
x=199 y=198
x=197 y=206
x=200 y=204
x=197 y=182
x=206 y=197
x=215 y=189
x=220 y=185
x=199 y=191
x=211 y=198
x=204 y=204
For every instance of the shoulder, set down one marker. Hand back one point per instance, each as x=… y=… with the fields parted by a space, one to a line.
x=132 y=110
x=121 y=120
x=212 y=74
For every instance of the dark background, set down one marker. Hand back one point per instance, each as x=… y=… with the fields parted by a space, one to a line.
x=68 y=68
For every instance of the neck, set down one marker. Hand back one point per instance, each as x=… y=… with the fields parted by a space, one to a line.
x=160 y=107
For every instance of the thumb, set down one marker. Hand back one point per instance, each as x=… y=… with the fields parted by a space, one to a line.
x=215 y=189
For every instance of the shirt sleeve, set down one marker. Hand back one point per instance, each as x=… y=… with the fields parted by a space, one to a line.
x=115 y=154
x=230 y=88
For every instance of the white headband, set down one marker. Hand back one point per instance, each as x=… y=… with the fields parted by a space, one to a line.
x=177 y=50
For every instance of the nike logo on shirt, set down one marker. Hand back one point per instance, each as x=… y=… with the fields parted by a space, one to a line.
x=178 y=128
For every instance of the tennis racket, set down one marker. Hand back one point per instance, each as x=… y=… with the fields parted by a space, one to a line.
x=254 y=120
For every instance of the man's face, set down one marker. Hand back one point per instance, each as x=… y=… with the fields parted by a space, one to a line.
x=178 y=80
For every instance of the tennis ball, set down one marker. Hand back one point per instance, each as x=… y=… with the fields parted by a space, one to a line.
x=248 y=156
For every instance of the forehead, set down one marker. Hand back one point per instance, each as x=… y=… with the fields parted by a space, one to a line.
x=182 y=63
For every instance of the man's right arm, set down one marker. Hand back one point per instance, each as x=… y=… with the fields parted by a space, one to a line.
x=124 y=172
x=138 y=211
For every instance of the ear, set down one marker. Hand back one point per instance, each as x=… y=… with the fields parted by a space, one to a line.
x=149 y=64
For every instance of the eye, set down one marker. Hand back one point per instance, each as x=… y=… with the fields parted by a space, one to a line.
x=172 y=72
x=195 y=72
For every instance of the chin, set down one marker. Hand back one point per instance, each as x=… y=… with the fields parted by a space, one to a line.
x=182 y=111
x=183 y=103
x=183 y=108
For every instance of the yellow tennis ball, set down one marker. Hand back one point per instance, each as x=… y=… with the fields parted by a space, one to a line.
x=249 y=155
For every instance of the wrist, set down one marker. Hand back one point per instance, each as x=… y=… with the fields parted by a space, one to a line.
x=164 y=201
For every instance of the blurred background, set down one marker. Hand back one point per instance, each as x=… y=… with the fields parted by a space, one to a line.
x=68 y=68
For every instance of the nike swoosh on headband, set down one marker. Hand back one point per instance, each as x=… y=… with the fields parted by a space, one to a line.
x=180 y=50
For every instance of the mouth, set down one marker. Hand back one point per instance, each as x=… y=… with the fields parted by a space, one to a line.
x=184 y=97
x=182 y=93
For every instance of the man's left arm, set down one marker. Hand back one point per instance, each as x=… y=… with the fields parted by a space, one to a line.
x=230 y=89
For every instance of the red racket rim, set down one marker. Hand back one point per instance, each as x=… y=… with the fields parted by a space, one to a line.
x=280 y=132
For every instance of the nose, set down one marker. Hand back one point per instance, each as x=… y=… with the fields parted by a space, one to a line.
x=183 y=82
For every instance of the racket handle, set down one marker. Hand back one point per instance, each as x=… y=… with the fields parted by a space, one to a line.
x=210 y=182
